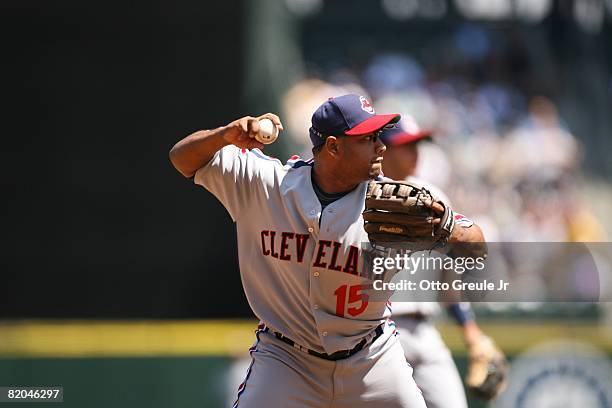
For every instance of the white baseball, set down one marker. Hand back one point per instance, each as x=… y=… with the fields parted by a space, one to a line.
x=268 y=132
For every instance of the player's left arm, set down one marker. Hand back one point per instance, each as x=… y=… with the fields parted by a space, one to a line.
x=466 y=234
x=466 y=239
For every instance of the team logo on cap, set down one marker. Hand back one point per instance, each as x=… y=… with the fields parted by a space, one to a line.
x=366 y=105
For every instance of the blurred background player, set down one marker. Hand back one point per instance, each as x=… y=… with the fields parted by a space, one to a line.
x=434 y=369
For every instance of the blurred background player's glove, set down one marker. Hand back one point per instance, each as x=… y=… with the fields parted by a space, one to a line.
x=486 y=376
x=402 y=212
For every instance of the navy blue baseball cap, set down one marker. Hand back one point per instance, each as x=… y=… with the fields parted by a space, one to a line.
x=349 y=115
x=406 y=131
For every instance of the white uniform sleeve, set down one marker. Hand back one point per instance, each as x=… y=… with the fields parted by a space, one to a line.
x=234 y=176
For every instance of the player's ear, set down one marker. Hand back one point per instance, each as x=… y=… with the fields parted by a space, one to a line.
x=332 y=145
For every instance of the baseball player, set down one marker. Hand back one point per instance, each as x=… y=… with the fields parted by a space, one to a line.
x=320 y=343
x=434 y=369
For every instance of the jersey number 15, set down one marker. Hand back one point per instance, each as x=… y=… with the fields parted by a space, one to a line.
x=354 y=296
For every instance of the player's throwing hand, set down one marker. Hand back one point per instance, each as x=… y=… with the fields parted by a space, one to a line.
x=242 y=132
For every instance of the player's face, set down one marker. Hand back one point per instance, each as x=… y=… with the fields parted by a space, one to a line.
x=363 y=156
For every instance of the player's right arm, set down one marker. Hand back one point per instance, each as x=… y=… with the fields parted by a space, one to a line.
x=197 y=149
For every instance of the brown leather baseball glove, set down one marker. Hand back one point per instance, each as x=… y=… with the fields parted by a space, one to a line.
x=487 y=370
x=401 y=212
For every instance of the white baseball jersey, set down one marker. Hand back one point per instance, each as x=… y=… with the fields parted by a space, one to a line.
x=302 y=269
